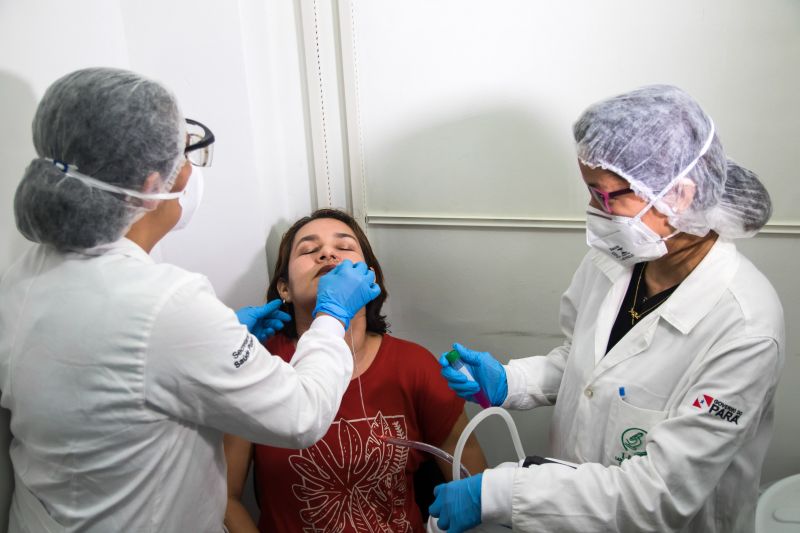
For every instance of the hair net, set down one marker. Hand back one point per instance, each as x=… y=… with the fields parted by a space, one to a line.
x=118 y=128
x=654 y=137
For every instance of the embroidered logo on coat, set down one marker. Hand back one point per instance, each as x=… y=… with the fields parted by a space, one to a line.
x=718 y=408
x=633 y=443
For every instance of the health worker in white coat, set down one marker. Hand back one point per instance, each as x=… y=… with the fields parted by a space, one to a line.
x=664 y=386
x=122 y=375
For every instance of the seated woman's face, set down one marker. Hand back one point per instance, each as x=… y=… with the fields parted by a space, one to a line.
x=318 y=247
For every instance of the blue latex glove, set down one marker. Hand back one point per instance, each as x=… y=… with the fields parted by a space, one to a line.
x=263 y=321
x=489 y=374
x=343 y=291
x=458 y=504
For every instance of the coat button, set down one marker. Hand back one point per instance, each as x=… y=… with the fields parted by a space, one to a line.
x=588 y=392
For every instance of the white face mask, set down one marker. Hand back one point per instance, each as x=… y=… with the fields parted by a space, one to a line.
x=190 y=198
x=627 y=240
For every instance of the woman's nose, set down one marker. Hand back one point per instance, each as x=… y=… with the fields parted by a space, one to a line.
x=329 y=254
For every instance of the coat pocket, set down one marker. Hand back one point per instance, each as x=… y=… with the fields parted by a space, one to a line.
x=626 y=431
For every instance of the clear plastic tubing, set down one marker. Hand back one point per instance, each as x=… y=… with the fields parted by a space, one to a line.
x=433 y=450
x=462 y=440
x=455 y=362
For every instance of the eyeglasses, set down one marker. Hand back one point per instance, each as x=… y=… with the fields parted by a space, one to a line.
x=602 y=197
x=199 y=144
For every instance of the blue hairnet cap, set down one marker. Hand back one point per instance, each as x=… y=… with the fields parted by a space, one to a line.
x=113 y=125
x=655 y=137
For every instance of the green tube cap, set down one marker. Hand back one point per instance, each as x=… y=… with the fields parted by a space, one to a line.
x=452 y=356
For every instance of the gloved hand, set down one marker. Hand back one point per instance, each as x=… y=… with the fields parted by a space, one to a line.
x=263 y=321
x=489 y=374
x=343 y=291
x=458 y=504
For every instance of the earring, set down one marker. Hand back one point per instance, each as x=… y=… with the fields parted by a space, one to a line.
x=283 y=300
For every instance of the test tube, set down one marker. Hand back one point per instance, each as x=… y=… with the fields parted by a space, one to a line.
x=455 y=361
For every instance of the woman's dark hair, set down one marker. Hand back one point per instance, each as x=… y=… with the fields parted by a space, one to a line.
x=376 y=322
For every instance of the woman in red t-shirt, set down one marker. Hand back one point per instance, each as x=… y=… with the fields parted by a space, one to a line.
x=351 y=480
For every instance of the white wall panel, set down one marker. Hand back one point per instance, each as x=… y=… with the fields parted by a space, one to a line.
x=465 y=107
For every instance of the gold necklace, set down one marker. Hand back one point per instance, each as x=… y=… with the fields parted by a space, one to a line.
x=632 y=311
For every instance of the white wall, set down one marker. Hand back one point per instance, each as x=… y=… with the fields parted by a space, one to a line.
x=473 y=115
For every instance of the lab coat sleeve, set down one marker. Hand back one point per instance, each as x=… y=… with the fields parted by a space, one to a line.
x=534 y=381
x=204 y=367
x=686 y=456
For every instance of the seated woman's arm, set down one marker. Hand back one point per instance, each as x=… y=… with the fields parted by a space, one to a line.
x=238 y=455
x=472 y=456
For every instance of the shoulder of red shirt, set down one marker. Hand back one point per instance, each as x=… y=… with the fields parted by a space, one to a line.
x=280 y=345
x=284 y=347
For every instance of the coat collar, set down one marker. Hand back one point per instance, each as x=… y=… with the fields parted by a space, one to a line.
x=695 y=298
x=611 y=268
x=122 y=246
x=697 y=294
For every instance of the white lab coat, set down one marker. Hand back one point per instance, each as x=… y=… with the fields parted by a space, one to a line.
x=122 y=376
x=683 y=450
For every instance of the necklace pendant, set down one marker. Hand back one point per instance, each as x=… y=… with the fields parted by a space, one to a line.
x=634 y=314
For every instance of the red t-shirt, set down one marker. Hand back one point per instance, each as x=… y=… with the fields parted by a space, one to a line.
x=351 y=481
